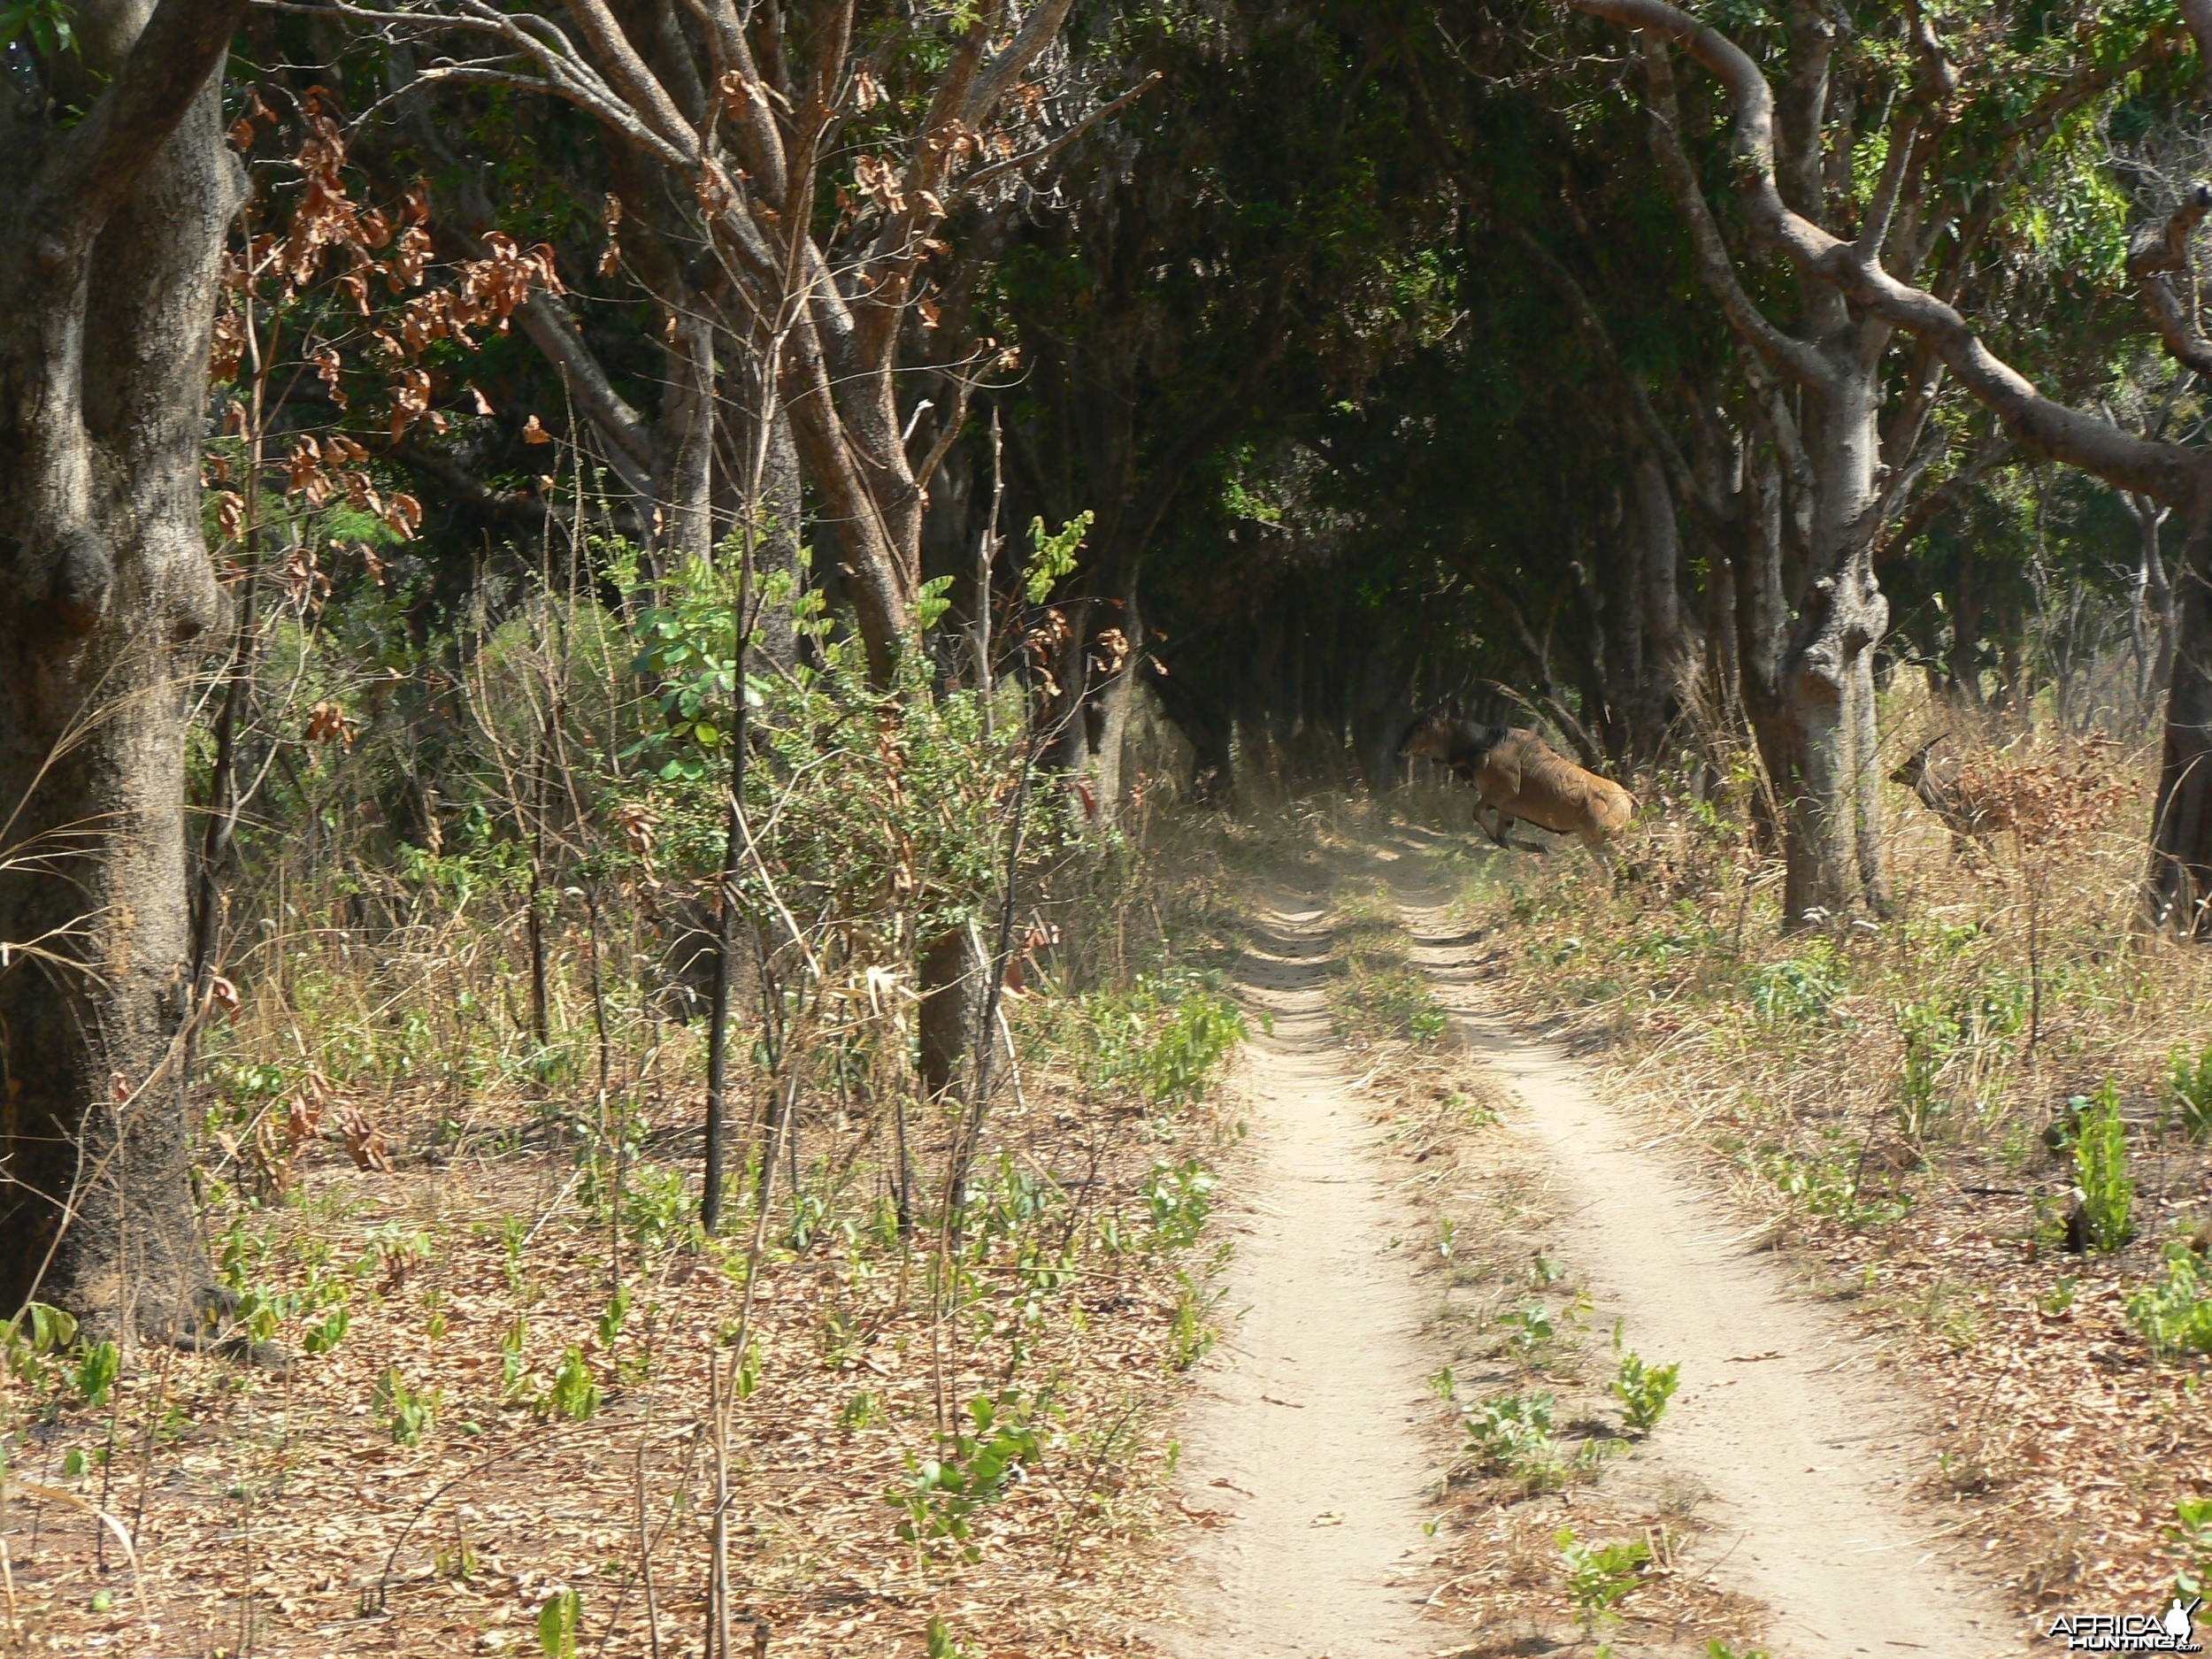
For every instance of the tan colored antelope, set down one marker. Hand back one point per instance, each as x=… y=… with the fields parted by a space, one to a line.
x=1520 y=778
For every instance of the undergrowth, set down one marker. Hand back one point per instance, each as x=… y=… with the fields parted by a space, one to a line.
x=1986 y=1110
x=451 y=1165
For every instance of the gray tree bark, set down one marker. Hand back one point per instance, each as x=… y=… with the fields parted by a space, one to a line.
x=111 y=231
x=2178 y=888
x=1808 y=678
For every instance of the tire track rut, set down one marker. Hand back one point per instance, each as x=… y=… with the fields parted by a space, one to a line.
x=1805 y=1450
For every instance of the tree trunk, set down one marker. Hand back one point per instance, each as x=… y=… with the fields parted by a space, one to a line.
x=2181 y=825
x=953 y=980
x=777 y=574
x=1670 y=658
x=1381 y=693
x=2151 y=614
x=111 y=230
x=684 y=488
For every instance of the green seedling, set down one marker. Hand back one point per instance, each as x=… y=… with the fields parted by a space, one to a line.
x=2191 y=1534
x=1598 y=1576
x=1643 y=1391
x=557 y=1622
x=407 y=1414
x=2100 y=1175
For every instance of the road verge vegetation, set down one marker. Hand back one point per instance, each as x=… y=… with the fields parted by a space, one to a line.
x=1980 y=1119
x=913 y=1390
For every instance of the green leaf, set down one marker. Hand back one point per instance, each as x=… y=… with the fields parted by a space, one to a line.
x=1054 y=554
x=557 y=1621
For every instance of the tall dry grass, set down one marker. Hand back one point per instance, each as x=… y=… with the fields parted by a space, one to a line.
x=1965 y=1115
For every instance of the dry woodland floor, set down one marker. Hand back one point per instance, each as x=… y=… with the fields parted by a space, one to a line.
x=520 y=1388
x=486 y=1419
x=1898 y=1109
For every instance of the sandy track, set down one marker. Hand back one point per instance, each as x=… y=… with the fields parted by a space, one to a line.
x=1310 y=1457
x=1801 y=1445
x=1312 y=1450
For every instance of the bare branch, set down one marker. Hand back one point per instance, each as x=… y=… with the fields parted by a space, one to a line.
x=2160 y=255
x=950 y=432
x=1038 y=31
x=640 y=86
x=984 y=175
x=1944 y=498
x=1881 y=210
x=553 y=331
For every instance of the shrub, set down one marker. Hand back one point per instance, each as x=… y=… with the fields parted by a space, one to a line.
x=1513 y=1435
x=1798 y=990
x=1599 y=1575
x=2174 y=1313
x=1179 y=1197
x=1164 y=1041
x=2189 y=1091
x=1644 y=1390
x=406 y=1413
x=1397 y=999
x=2101 y=1170
x=2192 y=1535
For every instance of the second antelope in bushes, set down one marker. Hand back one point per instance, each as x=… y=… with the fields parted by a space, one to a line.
x=1943 y=788
x=1518 y=776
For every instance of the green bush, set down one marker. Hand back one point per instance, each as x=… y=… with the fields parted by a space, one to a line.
x=970 y=1467
x=1396 y=999
x=1599 y=1575
x=1512 y=1434
x=2189 y=1090
x=1644 y=1390
x=1163 y=1042
x=2101 y=1172
x=1179 y=1197
x=1796 y=990
x=2173 y=1313
x=2191 y=1535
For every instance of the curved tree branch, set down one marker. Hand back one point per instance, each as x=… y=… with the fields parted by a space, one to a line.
x=1716 y=265
x=2166 y=470
x=2158 y=255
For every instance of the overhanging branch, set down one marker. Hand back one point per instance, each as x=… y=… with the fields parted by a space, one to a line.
x=2160 y=255
x=2166 y=470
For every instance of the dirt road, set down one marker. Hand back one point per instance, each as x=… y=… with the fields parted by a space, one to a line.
x=1310 y=1461
x=1311 y=1456
x=1802 y=1447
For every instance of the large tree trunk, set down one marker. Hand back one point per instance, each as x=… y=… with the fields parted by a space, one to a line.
x=111 y=229
x=954 y=981
x=1808 y=684
x=1825 y=765
x=1834 y=848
